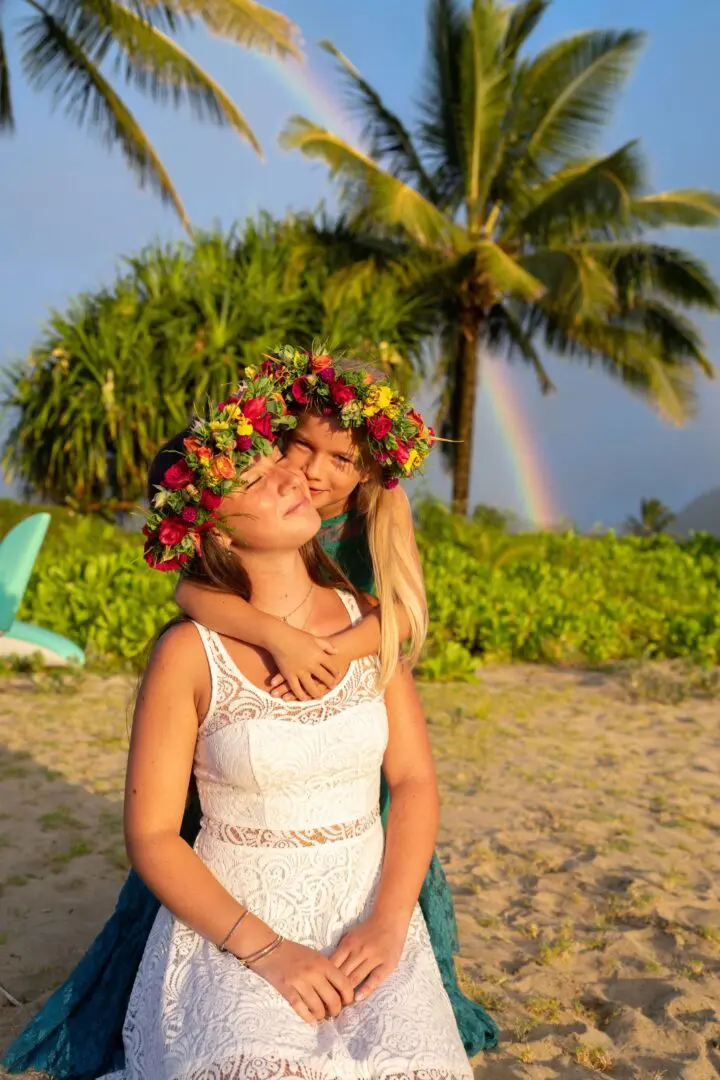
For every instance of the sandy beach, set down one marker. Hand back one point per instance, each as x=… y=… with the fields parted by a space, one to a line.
x=580 y=834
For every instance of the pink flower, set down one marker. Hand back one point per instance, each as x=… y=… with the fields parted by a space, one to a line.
x=299 y=391
x=178 y=476
x=263 y=426
x=209 y=500
x=255 y=407
x=243 y=442
x=379 y=426
x=390 y=483
x=341 y=392
x=327 y=410
x=327 y=375
x=172 y=531
x=189 y=514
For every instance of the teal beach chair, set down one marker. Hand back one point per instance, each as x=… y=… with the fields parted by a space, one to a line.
x=18 y=551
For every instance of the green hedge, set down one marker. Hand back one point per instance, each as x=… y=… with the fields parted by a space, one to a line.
x=535 y=598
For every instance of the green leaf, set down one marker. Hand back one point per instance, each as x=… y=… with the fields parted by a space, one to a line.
x=689 y=207
x=245 y=22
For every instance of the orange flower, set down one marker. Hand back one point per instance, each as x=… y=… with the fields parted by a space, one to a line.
x=223 y=467
x=191 y=444
x=204 y=453
x=319 y=363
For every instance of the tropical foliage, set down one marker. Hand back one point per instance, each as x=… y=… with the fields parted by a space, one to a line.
x=533 y=598
x=67 y=47
x=121 y=370
x=498 y=202
x=655 y=517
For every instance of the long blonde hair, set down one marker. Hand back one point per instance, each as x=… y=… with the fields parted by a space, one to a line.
x=398 y=577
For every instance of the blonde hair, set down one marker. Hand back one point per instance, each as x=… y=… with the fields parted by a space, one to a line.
x=398 y=575
x=398 y=578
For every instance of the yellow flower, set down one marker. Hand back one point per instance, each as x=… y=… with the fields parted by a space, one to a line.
x=378 y=398
x=243 y=426
x=231 y=412
x=392 y=411
x=413 y=459
x=219 y=425
x=250 y=372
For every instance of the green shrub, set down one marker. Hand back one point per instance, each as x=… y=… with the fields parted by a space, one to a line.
x=544 y=598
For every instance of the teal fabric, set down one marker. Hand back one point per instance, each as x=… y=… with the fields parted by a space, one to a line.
x=78 y=1034
x=45 y=639
x=18 y=551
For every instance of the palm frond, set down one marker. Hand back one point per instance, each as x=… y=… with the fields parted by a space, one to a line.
x=643 y=268
x=486 y=88
x=679 y=341
x=440 y=130
x=7 y=119
x=53 y=58
x=246 y=22
x=504 y=328
x=156 y=65
x=371 y=193
x=598 y=190
x=507 y=274
x=690 y=207
x=576 y=282
x=389 y=142
x=565 y=93
x=524 y=17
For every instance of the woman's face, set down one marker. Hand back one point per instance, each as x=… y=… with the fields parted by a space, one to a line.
x=328 y=456
x=271 y=509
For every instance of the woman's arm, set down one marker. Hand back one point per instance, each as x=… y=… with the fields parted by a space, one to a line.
x=162 y=747
x=308 y=665
x=369 y=952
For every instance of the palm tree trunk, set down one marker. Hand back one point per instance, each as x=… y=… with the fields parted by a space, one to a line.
x=466 y=390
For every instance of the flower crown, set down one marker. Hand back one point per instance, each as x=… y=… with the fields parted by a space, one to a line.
x=218 y=449
x=398 y=437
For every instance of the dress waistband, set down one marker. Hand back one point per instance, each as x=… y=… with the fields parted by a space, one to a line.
x=324 y=834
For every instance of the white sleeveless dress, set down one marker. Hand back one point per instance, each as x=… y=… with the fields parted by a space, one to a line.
x=291 y=827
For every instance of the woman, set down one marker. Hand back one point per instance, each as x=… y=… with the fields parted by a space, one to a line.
x=290 y=942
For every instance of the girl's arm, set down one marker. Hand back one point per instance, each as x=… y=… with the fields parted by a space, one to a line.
x=164 y=734
x=307 y=665
x=371 y=951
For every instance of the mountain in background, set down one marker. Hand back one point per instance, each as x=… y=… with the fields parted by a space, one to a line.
x=701 y=515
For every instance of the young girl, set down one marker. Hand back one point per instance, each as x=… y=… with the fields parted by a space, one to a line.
x=357 y=513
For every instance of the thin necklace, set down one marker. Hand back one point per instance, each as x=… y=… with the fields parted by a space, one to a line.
x=284 y=618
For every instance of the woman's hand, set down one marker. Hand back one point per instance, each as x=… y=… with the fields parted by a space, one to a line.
x=370 y=952
x=307 y=980
x=308 y=666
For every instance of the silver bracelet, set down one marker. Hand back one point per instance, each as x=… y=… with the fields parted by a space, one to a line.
x=233 y=928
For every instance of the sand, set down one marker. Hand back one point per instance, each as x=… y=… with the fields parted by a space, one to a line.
x=581 y=837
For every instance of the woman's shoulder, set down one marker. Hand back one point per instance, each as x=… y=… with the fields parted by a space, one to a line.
x=179 y=643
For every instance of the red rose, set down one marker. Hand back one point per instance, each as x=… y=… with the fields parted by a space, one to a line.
x=327 y=375
x=327 y=410
x=263 y=426
x=209 y=500
x=415 y=417
x=390 y=483
x=342 y=393
x=221 y=405
x=255 y=407
x=233 y=399
x=379 y=426
x=147 y=531
x=267 y=367
x=299 y=391
x=207 y=525
x=243 y=442
x=178 y=476
x=156 y=563
x=189 y=514
x=172 y=531
x=402 y=453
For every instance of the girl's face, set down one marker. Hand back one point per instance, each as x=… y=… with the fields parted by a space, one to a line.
x=328 y=456
x=271 y=509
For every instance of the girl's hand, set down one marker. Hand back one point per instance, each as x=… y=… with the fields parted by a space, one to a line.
x=369 y=953
x=307 y=980
x=308 y=666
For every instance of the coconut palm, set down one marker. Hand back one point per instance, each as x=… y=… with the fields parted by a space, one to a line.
x=67 y=46
x=525 y=235
x=655 y=517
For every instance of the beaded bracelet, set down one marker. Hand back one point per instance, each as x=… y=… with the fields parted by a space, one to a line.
x=262 y=953
x=223 y=944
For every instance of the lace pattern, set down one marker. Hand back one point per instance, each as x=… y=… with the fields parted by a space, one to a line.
x=326 y=834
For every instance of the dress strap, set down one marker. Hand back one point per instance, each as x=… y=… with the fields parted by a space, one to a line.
x=351 y=606
x=210 y=645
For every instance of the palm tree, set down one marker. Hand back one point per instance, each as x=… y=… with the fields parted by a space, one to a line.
x=66 y=45
x=655 y=517
x=526 y=236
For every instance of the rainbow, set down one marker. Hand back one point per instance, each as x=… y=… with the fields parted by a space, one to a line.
x=533 y=489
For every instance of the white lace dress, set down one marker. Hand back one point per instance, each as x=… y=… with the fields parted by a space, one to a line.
x=291 y=827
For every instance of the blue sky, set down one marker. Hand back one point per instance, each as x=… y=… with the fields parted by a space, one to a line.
x=69 y=211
